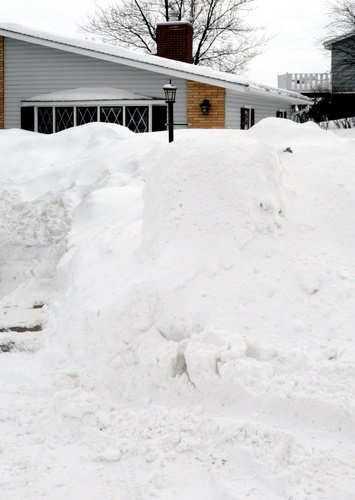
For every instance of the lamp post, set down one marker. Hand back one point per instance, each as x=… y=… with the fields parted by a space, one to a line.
x=170 y=93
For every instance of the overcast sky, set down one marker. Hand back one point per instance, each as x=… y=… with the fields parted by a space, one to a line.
x=296 y=28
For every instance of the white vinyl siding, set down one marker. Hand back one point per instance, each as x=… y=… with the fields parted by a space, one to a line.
x=263 y=107
x=343 y=71
x=32 y=70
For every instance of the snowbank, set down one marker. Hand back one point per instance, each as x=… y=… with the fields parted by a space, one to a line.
x=199 y=302
x=224 y=249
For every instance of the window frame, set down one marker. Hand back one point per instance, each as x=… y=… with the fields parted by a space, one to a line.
x=119 y=116
x=129 y=116
x=55 y=114
x=91 y=104
x=281 y=113
x=37 y=121
x=80 y=115
x=247 y=124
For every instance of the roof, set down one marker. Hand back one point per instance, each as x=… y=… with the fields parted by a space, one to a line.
x=91 y=94
x=148 y=62
x=328 y=43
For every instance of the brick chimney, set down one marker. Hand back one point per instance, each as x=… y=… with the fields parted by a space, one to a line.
x=174 y=41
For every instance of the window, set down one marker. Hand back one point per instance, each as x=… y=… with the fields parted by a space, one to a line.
x=111 y=115
x=137 y=118
x=159 y=118
x=281 y=113
x=45 y=120
x=64 y=118
x=28 y=118
x=86 y=115
x=247 y=117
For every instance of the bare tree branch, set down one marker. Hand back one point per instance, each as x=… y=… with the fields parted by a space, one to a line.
x=222 y=37
x=342 y=17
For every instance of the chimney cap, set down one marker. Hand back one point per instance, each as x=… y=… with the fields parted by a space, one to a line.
x=170 y=23
x=173 y=14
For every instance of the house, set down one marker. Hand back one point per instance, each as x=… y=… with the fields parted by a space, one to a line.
x=316 y=86
x=49 y=83
x=337 y=87
x=309 y=84
x=342 y=62
x=343 y=75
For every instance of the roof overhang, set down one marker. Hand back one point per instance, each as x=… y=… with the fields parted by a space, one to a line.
x=94 y=95
x=330 y=42
x=147 y=62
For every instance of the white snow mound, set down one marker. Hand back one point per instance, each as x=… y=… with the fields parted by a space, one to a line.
x=214 y=268
x=198 y=313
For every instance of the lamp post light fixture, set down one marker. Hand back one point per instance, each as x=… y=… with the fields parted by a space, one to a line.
x=205 y=107
x=170 y=94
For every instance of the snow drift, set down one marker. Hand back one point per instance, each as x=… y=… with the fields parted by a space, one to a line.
x=221 y=259
x=199 y=300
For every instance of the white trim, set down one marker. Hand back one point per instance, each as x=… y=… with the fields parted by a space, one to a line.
x=35 y=110
x=283 y=112
x=150 y=118
x=91 y=104
x=249 y=125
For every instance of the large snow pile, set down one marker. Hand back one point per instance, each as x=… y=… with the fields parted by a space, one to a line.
x=199 y=312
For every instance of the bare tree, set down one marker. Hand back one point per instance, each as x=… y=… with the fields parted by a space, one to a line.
x=342 y=15
x=342 y=123
x=223 y=39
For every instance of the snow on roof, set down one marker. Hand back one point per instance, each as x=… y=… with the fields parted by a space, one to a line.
x=90 y=94
x=328 y=43
x=147 y=61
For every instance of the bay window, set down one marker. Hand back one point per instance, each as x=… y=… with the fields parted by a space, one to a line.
x=45 y=116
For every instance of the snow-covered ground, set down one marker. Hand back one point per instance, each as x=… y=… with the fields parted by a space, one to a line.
x=197 y=305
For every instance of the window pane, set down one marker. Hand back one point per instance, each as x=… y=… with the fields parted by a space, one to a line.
x=247 y=118
x=252 y=117
x=64 y=118
x=45 y=120
x=281 y=114
x=159 y=118
x=137 y=118
x=111 y=115
x=28 y=118
x=86 y=115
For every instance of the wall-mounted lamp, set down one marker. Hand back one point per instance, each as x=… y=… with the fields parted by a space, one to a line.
x=205 y=107
x=170 y=94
